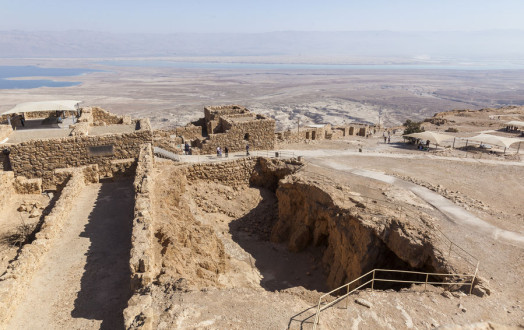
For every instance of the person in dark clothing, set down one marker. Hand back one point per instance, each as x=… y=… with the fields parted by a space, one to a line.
x=186 y=148
x=226 y=150
x=247 y=149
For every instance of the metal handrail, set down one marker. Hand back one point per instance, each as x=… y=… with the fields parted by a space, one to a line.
x=375 y=279
x=273 y=154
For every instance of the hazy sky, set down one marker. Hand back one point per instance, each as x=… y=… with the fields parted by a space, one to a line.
x=260 y=16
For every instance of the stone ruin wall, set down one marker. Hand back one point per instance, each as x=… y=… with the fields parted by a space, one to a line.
x=163 y=138
x=39 y=158
x=234 y=173
x=7 y=179
x=138 y=312
x=223 y=110
x=261 y=137
x=20 y=272
x=103 y=117
x=321 y=133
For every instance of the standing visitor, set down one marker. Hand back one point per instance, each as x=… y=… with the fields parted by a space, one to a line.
x=226 y=149
x=247 y=149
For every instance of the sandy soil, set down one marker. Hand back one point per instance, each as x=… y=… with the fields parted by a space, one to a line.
x=84 y=280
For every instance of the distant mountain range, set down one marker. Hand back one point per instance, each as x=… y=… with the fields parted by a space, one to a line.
x=499 y=44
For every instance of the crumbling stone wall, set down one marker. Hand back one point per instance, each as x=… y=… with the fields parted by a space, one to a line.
x=39 y=158
x=163 y=139
x=103 y=117
x=138 y=313
x=321 y=133
x=86 y=116
x=259 y=134
x=24 y=185
x=16 y=279
x=7 y=190
x=233 y=173
x=79 y=129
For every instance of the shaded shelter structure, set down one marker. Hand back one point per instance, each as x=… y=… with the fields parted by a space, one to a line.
x=44 y=109
x=432 y=137
x=495 y=140
x=515 y=125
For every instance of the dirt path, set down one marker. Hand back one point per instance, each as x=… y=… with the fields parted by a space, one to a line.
x=84 y=279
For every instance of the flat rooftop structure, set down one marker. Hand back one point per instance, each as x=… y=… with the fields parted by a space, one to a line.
x=23 y=135
x=27 y=134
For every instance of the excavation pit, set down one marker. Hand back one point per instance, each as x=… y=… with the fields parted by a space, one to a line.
x=259 y=223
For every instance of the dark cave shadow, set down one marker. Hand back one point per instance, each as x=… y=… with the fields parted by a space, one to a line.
x=105 y=285
x=280 y=268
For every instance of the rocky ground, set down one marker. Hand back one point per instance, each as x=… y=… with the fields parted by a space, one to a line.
x=18 y=218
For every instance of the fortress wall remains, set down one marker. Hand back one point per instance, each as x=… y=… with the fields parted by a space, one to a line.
x=259 y=134
x=189 y=132
x=39 y=158
x=7 y=190
x=19 y=274
x=233 y=173
x=141 y=256
x=317 y=133
x=103 y=117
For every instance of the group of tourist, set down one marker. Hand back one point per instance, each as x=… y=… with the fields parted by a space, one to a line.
x=387 y=138
x=188 y=151
x=219 y=151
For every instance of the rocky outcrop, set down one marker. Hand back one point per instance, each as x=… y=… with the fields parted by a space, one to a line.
x=354 y=236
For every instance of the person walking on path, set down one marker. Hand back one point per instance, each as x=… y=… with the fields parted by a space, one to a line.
x=226 y=149
x=247 y=149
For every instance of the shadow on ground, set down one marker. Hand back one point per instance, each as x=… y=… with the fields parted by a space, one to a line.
x=280 y=268
x=105 y=286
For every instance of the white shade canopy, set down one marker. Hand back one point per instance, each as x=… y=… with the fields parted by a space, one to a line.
x=59 y=105
x=515 y=123
x=433 y=137
x=494 y=139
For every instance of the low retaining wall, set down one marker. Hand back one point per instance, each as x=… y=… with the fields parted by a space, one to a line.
x=138 y=314
x=15 y=281
x=235 y=172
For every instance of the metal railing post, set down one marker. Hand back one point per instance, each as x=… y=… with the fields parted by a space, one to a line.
x=373 y=281
x=474 y=276
x=317 y=317
x=426 y=284
x=347 y=297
